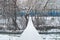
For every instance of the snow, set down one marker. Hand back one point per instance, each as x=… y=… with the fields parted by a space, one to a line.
x=31 y=33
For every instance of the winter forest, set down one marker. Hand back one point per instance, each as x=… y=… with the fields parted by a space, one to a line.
x=14 y=15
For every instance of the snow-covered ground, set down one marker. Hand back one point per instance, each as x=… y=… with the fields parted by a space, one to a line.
x=30 y=33
x=44 y=37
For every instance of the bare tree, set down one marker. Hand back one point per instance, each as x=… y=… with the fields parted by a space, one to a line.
x=9 y=7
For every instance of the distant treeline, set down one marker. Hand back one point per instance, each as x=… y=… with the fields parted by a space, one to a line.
x=32 y=13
